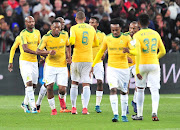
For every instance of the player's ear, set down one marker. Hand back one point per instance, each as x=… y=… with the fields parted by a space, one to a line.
x=76 y=20
x=51 y=27
x=85 y=19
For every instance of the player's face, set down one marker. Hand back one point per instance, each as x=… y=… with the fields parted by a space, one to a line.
x=115 y=30
x=93 y=23
x=56 y=28
x=133 y=28
x=30 y=23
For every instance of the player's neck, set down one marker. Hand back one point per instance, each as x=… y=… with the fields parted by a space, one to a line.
x=80 y=21
x=145 y=27
x=54 y=34
x=29 y=30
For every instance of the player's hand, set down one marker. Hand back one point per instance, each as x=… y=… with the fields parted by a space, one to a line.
x=91 y=72
x=10 y=67
x=130 y=60
x=69 y=61
x=42 y=60
x=139 y=76
x=52 y=52
x=125 y=50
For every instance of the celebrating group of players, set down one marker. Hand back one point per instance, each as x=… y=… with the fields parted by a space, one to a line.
x=137 y=47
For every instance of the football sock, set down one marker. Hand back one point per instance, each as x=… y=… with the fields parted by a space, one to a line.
x=86 y=96
x=65 y=96
x=99 y=95
x=52 y=103
x=140 y=101
x=124 y=104
x=26 y=97
x=155 y=99
x=135 y=95
x=73 y=94
x=82 y=99
x=42 y=93
x=31 y=98
x=114 y=104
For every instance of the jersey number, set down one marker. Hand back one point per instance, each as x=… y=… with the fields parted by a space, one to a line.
x=85 y=38
x=153 y=46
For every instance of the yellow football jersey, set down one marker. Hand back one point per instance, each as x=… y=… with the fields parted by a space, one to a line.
x=32 y=39
x=149 y=41
x=84 y=36
x=116 y=57
x=14 y=47
x=100 y=36
x=59 y=45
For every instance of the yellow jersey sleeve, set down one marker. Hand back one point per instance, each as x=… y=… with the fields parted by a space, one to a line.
x=13 y=48
x=100 y=53
x=96 y=41
x=42 y=44
x=100 y=36
x=162 y=50
x=72 y=36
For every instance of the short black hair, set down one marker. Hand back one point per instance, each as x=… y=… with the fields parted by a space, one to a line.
x=117 y=21
x=56 y=21
x=144 y=19
x=96 y=18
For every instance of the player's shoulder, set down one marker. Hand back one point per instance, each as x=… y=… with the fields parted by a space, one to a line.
x=126 y=34
x=23 y=31
x=101 y=33
x=36 y=31
x=109 y=36
x=18 y=38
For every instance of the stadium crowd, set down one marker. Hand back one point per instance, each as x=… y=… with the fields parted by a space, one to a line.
x=164 y=16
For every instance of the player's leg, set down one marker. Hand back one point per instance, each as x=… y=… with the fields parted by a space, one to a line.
x=123 y=81
x=140 y=84
x=30 y=94
x=62 y=82
x=23 y=66
x=98 y=72
x=42 y=93
x=51 y=100
x=74 y=87
x=153 y=82
x=84 y=69
x=113 y=85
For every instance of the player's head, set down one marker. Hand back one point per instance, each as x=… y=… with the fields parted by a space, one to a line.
x=133 y=28
x=62 y=22
x=29 y=22
x=56 y=27
x=94 y=21
x=116 y=26
x=80 y=16
x=144 y=20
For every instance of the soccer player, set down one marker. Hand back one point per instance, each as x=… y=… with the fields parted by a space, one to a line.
x=43 y=89
x=56 y=65
x=118 y=73
x=98 y=68
x=133 y=28
x=30 y=38
x=148 y=42
x=10 y=68
x=83 y=37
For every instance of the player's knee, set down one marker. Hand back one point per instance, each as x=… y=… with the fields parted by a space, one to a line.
x=49 y=89
x=154 y=90
x=123 y=93
x=62 y=90
x=140 y=89
x=29 y=83
x=113 y=91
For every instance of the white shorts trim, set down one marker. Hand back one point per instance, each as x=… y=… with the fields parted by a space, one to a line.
x=58 y=75
x=80 y=72
x=98 y=71
x=118 y=78
x=150 y=75
x=29 y=71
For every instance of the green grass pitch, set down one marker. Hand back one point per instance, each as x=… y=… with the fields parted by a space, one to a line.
x=13 y=117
